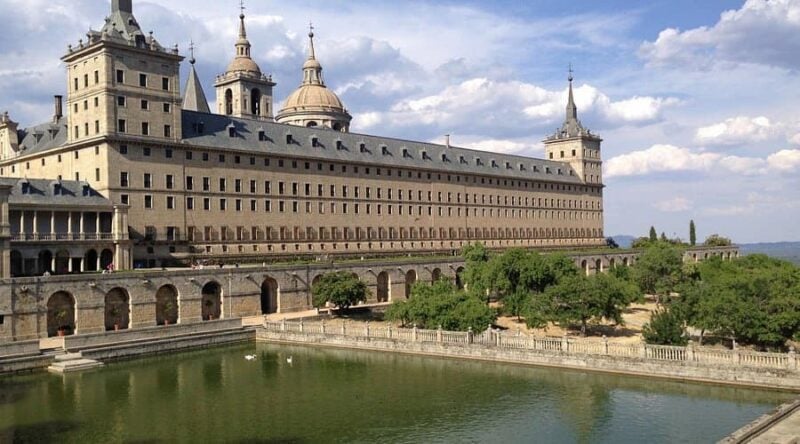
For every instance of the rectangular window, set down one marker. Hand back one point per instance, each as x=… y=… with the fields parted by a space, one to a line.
x=125 y=199
x=121 y=125
x=120 y=76
x=189 y=183
x=190 y=203
x=97 y=174
x=170 y=202
x=145 y=104
x=223 y=204
x=167 y=131
x=123 y=179
x=170 y=181
x=76 y=83
x=143 y=80
x=145 y=129
x=148 y=201
x=168 y=153
x=222 y=184
x=121 y=101
x=167 y=108
x=206 y=204
x=237 y=185
x=86 y=80
x=206 y=184
x=148 y=180
x=146 y=151
x=165 y=83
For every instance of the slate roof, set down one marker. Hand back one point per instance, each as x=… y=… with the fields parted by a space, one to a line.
x=194 y=98
x=42 y=137
x=213 y=131
x=42 y=192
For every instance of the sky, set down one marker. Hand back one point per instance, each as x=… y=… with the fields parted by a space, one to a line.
x=697 y=102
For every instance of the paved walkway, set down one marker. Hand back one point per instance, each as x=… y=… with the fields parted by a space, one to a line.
x=274 y=317
x=785 y=432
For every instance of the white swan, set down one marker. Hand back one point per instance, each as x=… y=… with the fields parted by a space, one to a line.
x=250 y=357
x=289 y=360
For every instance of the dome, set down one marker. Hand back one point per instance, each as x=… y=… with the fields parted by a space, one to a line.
x=244 y=64
x=313 y=97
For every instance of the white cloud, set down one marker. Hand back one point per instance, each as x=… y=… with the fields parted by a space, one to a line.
x=656 y=159
x=674 y=205
x=739 y=130
x=785 y=161
x=762 y=31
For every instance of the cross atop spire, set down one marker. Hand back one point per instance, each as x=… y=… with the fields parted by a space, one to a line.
x=241 y=7
x=191 y=52
x=572 y=110
x=569 y=77
x=311 y=54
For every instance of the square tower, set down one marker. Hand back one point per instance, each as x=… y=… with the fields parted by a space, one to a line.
x=121 y=82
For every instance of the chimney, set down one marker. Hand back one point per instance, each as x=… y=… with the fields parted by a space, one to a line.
x=122 y=6
x=447 y=140
x=59 y=112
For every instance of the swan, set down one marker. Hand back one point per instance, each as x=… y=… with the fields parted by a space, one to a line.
x=289 y=360
x=250 y=357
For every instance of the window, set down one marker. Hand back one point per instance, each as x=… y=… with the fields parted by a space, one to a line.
x=143 y=80
x=96 y=102
x=222 y=184
x=289 y=139
x=314 y=142
x=125 y=199
x=206 y=203
x=148 y=180
x=148 y=202
x=121 y=101
x=168 y=153
x=121 y=125
x=145 y=129
x=86 y=80
x=170 y=202
x=76 y=83
x=170 y=181
x=190 y=203
x=205 y=157
x=167 y=131
x=362 y=147
x=237 y=185
x=145 y=104
x=97 y=174
x=146 y=151
x=123 y=179
x=167 y=107
x=165 y=83
x=189 y=183
x=206 y=184
x=223 y=204
x=97 y=127
x=96 y=77
x=221 y=158
x=120 y=76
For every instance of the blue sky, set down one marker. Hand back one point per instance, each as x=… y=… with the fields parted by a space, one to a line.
x=696 y=101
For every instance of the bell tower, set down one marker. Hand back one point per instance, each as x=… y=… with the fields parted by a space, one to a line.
x=243 y=90
x=576 y=145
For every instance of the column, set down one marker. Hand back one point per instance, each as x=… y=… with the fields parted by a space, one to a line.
x=35 y=224
x=53 y=225
x=80 y=225
x=69 y=264
x=97 y=225
x=22 y=224
x=69 y=225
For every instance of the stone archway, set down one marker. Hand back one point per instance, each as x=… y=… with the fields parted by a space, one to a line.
x=411 y=279
x=45 y=261
x=117 y=311
x=460 y=278
x=585 y=267
x=612 y=263
x=625 y=262
x=62 y=262
x=167 y=305
x=60 y=314
x=598 y=266
x=90 y=260
x=211 y=301
x=269 y=296
x=384 y=286
x=436 y=274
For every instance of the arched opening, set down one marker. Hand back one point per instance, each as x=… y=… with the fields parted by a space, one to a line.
x=106 y=259
x=337 y=126
x=45 y=261
x=212 y=301
x=62 y=262
x=311 y=124
x=411 y=279
x=436 y=274
x=585 y=267
x=625 y=261
x=269 y=296
x=383 y=287
x=17 y=264
x=612 y=263
x=117 y=313
x=60 y=314
x=598 y=266
x=228 y=102
x=460 y=278
x=90 y=260
x=167 y=305
x=255 y=102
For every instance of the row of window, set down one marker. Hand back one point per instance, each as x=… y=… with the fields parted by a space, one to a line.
x=122 y=127
x=144 y=80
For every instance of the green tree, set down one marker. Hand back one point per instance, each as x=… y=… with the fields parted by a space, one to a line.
x=663 y=237
x=665 y=328
x=582 y=299
x=641 y=242
x=611 y=243
x=340 y=288
x=658 y=270
x=692 y=233
x=514 y=304
x=715 y=240
x=653 y=235
x=441 y=304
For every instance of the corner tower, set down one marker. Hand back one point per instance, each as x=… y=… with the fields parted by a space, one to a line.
x=121 y=81
x=313 y=104
x=576 y=145
x=243 y=91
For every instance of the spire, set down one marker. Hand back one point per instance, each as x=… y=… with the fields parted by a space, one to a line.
x=311 y=54
x=312 y=69
x=572 y=110
x=194 y=98
x=242 y=45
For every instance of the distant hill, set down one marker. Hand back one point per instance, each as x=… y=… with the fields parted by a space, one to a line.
x=789 y=251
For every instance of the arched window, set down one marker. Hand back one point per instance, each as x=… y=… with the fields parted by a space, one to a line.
x=228 y=102
x=311 y=124
x=255 y=102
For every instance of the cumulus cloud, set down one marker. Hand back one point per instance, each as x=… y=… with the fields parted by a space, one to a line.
x=738 y=130
x=763 y=32
x=669 y=158
x=674 y=205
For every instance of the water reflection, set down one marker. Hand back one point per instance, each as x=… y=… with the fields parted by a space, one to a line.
x=346 y=396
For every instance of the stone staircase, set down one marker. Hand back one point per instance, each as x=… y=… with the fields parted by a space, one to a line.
x=72 y=362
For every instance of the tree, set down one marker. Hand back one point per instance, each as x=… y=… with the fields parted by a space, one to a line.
x=653 y=235
x=514 y=304
x=611 y=243
x=441 y=304
x=663 y=237
x=715 y=240
x=665 y=328
x=658 y=269
x=641 y=242
x=581 y=299
x=692 y=234
x=340 y=288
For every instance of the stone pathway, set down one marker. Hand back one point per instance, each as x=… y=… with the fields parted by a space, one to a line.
x=785 y=432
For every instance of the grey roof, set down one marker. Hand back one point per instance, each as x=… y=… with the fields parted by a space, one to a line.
x=42 y=192
x=572 y=126
x=42 y=137
x=194 y=99
x=213 y=131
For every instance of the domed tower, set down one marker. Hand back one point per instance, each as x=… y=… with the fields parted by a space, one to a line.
x=313 y=104
x=244 y=91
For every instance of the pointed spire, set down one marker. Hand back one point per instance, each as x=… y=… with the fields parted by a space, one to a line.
x=572 y=110
x=194 y=98
x=242 y=30
x=311 y=54
x=312 y=69
x=191 y=53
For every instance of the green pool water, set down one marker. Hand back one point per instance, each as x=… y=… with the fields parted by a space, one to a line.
x=327 y=395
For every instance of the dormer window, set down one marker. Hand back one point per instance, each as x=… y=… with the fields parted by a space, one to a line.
x=87 y=190
x=521 y=167
x=405 y=153
x=362 y=147
x=462 y=160
x=444 y=158
x=339 y=145
x=535 y=169
x=57 y=189
x=314 y=142
x=508 y=165
x=26 y=188
x=385 y=150
x=262 y=135
x=478 y=161
x=547 y=170
x=560 y=172
x=494 y=163
x=425 y=156
x=231 y=131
